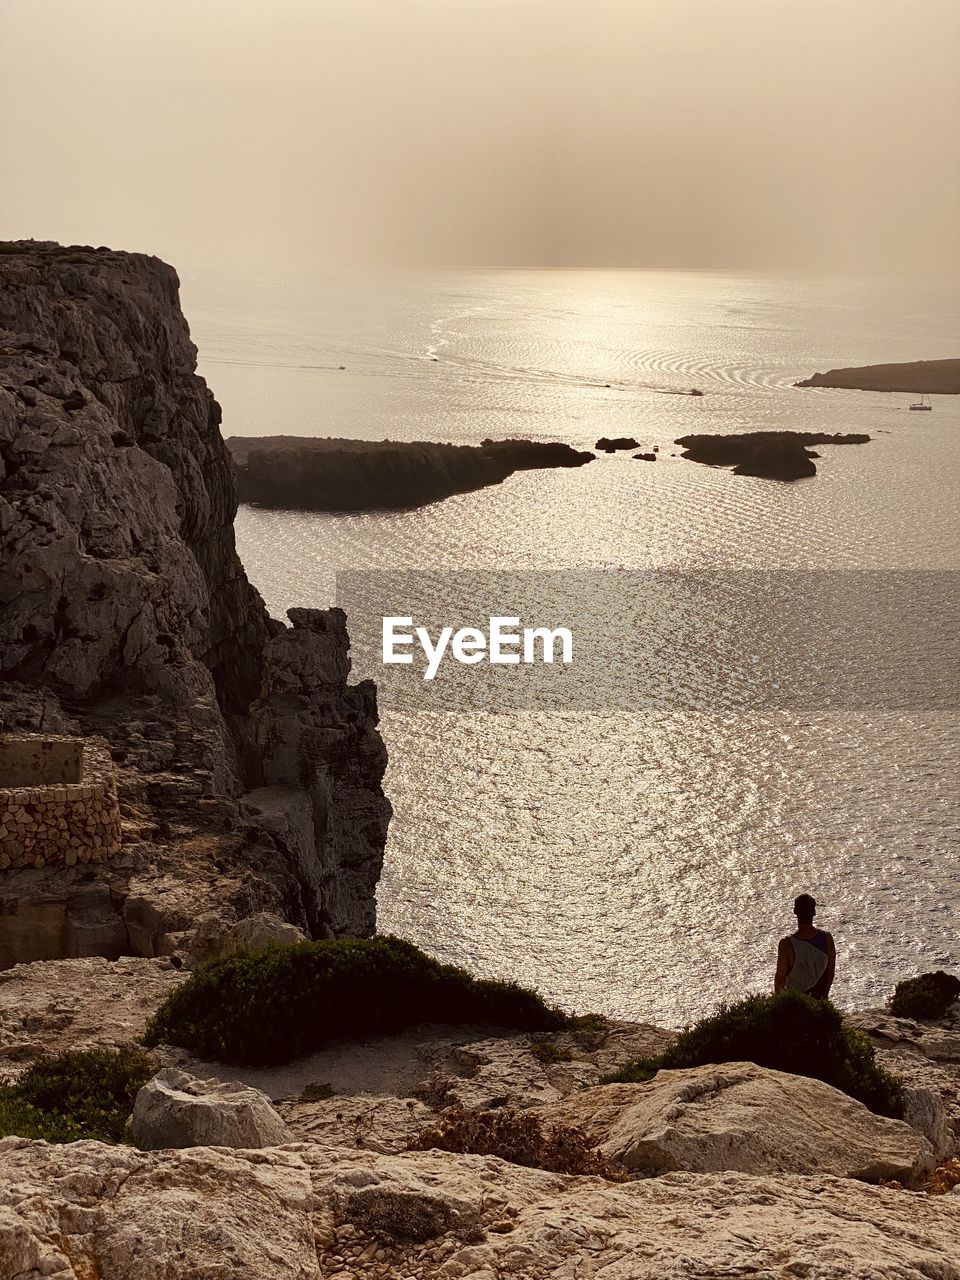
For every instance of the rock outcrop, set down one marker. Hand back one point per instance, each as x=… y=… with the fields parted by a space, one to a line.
x=302 y=1213
x=262 y=930
x=738 y=1116
x=940 y=377
x=313 y=474
x=346 y=1198
x=771 y=455
x=607 y=445
x=125 y=613
x=50 y=1006
x=175 y=1109
x=926 y=1055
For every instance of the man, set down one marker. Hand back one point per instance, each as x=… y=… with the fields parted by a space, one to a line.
x=806 y=961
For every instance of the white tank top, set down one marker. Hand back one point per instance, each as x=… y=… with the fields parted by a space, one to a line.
x=809 y=963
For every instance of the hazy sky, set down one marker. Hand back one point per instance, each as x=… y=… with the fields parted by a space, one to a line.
x=275 y=135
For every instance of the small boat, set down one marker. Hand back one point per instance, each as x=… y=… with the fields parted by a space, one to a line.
x=923 y=402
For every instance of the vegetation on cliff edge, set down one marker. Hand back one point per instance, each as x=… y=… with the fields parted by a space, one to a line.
x=928 y=996
x=271 y=1005
x=788 y=1032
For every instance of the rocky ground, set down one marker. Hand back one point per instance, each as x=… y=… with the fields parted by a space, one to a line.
x=729 y=1171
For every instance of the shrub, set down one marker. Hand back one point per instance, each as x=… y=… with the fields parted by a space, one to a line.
x=928 y=996
x=276 y=1003
x=788 y=1032
x=519 y=1137
x=85 y=1093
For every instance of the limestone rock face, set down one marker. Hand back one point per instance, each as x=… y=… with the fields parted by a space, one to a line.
x=926 y=1055
x=314 y=731
x=125 y=613
x=83 y=1210
x=177 y=1110
x=259 y=931
x=924 y=1110
x=737 y=1115
x=300 y=1212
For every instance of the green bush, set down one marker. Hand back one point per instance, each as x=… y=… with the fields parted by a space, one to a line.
x=928 y=996
x=80 y=1094
x=281 y=1002
x=788 y=1032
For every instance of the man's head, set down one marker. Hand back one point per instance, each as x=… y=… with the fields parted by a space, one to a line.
x=804 y=908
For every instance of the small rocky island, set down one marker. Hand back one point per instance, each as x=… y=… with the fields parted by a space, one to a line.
x=606 y=445
x=936 y=377
x=320 y=474
x=772 y=455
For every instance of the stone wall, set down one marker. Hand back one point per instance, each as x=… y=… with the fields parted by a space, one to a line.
x=27 y=762
x=47 y=820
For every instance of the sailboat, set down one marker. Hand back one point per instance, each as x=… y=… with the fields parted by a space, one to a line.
x=923 y=402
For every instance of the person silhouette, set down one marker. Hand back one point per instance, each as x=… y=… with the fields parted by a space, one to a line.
x=807 y=960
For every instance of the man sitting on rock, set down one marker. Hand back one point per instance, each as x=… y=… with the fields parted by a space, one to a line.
x=807 y=959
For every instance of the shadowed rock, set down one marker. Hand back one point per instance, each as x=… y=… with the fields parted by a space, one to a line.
x=125 y=614
x=772 y=455
x=315 y=474
x=606 y=445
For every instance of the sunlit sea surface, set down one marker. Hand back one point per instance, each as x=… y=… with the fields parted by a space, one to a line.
x=640 y=864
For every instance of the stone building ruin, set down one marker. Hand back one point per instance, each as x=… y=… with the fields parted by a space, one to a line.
x=58 y=802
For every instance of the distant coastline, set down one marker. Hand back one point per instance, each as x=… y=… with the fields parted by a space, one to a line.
x=936 y=377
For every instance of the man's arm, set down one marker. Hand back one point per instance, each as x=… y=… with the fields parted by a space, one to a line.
x=827 y=979
x=784 y=965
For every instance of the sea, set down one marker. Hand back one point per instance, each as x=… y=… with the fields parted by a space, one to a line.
x=638 y=860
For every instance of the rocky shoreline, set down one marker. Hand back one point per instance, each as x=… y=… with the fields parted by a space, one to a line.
x=314 y=474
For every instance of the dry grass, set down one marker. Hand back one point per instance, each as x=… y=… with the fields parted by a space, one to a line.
x=944 y=1178
x=519 y=1137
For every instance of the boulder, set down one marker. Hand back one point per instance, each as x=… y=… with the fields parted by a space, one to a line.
x=737 y=1115
x=175 y=1109
x=259 y=931
x=924 y=1110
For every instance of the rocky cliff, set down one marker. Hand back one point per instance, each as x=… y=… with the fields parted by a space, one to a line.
x=125 y=612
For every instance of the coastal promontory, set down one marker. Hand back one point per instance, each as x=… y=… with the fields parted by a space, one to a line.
x=319 y=474
x=935 y=377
